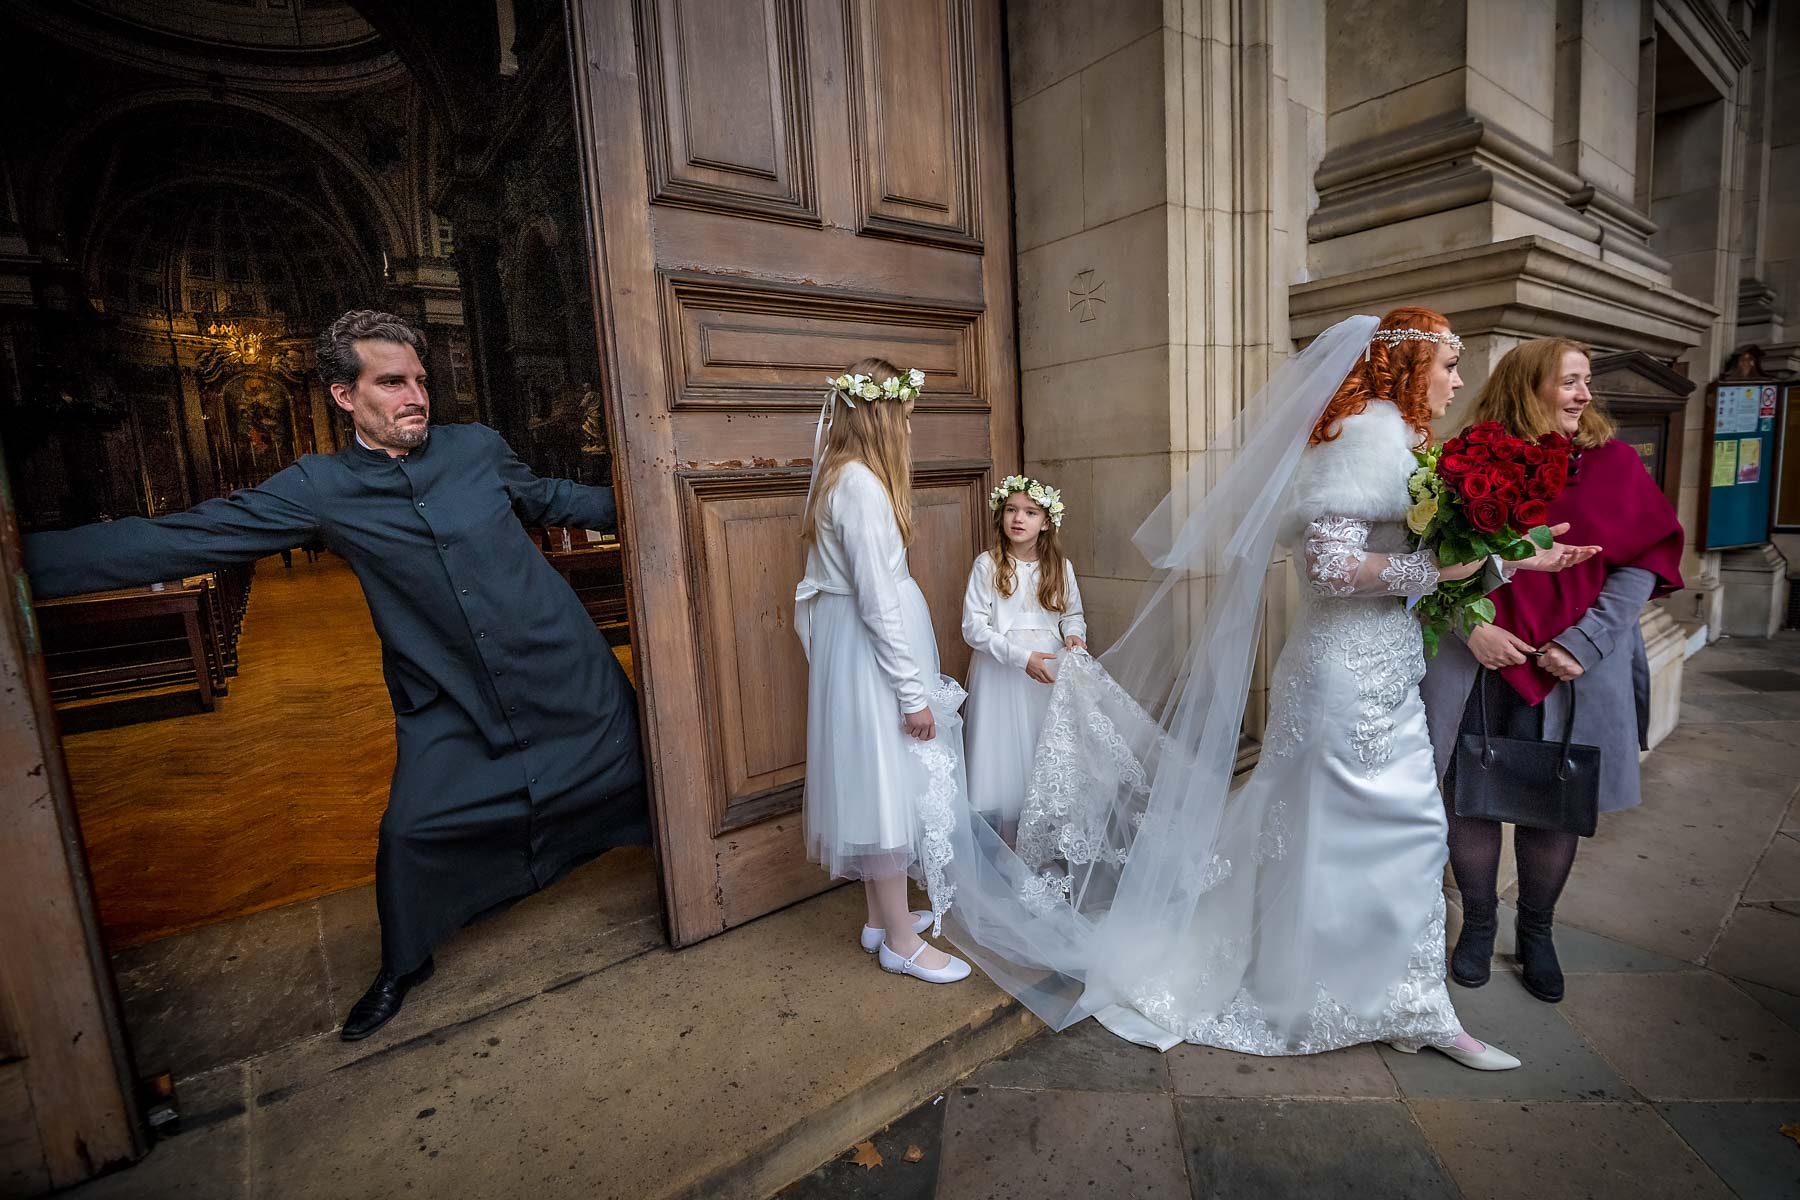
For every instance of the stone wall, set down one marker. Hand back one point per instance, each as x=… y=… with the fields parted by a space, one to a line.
x=1528 y=167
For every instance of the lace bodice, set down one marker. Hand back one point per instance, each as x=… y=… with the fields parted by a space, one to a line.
x=1354 y=640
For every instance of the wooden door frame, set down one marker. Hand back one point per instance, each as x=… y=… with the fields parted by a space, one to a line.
x=609 y=129
x=610 y=118
x=60 y=1022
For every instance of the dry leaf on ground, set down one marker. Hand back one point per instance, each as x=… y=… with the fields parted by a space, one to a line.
x=866 y=1155
x=913 y=1154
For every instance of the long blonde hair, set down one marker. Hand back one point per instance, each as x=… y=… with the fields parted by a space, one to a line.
x=1052 y=590
x=874 y=433
x=1510 y=395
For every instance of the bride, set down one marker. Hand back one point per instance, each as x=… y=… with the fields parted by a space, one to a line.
x=1303 y=911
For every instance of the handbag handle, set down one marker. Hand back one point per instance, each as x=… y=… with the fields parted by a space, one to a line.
x=1566 y=767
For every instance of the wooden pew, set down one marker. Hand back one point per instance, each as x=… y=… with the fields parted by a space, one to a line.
x=596 y=571
x=130 y=639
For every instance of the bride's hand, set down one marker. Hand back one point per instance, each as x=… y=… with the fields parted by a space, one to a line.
x=1558 y=557
x=919 y=725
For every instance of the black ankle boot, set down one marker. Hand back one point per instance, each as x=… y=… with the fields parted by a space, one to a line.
x=1473 y=958
x=383 y=999
x=1539 y=969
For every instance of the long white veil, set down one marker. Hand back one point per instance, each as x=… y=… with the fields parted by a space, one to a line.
x=1130 y=876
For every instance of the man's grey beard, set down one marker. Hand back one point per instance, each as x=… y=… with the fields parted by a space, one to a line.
x=405 y=439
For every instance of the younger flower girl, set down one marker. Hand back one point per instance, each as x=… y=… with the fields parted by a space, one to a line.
x=1020 y=608
x=884 y=770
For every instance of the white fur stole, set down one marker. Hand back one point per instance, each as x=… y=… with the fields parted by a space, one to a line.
x=1362 y=473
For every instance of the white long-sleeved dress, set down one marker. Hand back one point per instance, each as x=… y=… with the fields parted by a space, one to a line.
x=1006 y=706
x=878 y=802
x=1324 y=923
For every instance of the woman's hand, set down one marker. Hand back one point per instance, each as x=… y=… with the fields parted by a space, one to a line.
x=1039 y=666
x=1494 y=647
x=919 y=725
x=1558 y=557
x=1560 y=663
x=1460 y=571
x=1073 y=642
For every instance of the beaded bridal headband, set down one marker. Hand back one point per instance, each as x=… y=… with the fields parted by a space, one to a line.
x=1393 y=337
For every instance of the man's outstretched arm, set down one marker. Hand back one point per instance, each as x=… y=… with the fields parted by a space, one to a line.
x=242 y=527
x=541 y=501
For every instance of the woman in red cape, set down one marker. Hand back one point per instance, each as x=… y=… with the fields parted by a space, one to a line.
x=1580 y=625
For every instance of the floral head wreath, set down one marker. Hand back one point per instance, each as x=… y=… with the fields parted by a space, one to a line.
x=1042 y=495
x=904 y=386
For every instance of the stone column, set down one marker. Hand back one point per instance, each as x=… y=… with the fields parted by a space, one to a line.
x=1160 y=174
x=1091 y=88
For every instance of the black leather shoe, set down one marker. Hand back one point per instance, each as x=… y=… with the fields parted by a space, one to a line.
x=1472 y=961
x=1538 y=967
x=383 y=999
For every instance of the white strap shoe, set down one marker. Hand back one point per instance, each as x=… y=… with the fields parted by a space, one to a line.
x=872 y=937
x=1488 y=1058
x=952 y=971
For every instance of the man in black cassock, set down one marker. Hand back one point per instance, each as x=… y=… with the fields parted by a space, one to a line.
x=516 y=731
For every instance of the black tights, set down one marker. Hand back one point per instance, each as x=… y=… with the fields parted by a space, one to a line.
x=1544 y=857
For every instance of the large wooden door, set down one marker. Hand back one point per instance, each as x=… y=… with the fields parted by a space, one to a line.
x=777 y=188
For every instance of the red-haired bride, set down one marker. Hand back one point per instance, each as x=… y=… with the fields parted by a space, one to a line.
x=1301 y=910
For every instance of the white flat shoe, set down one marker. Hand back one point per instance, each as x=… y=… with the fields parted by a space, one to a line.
x=952 y=971
x=1488 y=1058
x=872 y=936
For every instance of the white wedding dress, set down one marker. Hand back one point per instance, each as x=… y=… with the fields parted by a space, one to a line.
x=1302 y=910
x=1336 y=843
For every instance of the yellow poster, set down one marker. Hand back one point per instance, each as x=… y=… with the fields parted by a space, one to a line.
x=1724 y=463
x=1749 y=460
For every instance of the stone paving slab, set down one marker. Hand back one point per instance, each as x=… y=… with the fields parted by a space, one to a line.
x=1692 y=1036
x=903 y=1167
x=1784 y=1005
x=1558 y=1063
x=1778 y=874
x=1580 y=950
x=1010 y=1144
x=1356 y=1150
x=1665 y=876
x=216 y=995
x=1084 y=1057
x=1357 y=1073
x=1551 y=1151
x=1743 y=1144
x=1761 y=945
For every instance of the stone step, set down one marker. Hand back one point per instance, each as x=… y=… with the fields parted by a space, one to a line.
x=727 y=1069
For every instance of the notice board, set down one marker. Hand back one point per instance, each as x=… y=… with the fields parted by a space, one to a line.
x=1738 y=479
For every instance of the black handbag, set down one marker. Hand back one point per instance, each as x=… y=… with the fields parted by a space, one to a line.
x=1537 y=783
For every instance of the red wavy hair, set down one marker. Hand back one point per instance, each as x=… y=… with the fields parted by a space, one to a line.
x=1400 y=372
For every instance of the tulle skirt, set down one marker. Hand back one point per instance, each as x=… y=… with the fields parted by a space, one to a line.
x=1004 y=717
x=878 y=803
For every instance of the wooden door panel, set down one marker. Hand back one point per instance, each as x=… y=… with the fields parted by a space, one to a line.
x=746 y=528
x=728 y=104
x=723 y=307
x=912 y=82
x=949 y=511
x=739 y=345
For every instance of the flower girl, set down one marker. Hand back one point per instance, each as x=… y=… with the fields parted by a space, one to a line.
x=884 y=770
x=1021 y=607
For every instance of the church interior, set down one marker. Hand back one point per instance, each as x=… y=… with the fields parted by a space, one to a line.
x=200 y=186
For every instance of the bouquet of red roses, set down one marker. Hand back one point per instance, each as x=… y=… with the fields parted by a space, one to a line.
x=1484 y=492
